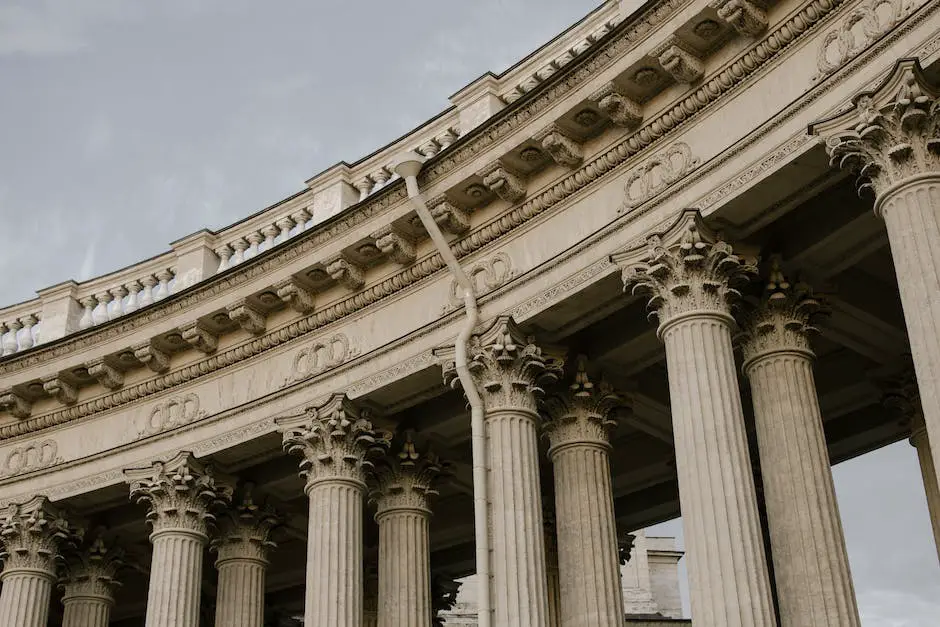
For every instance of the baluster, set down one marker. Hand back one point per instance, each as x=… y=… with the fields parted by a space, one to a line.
x=365 y=188
x=225 y=253
x=270 y=235
x=132 y=304
x=301 y=216
x=446 y=138
x=146 y=297
x=100 y=314
x=381 y=178
x=88 y=317
x=255 y=238
x=285 y=224
x=240 y=246
x=9 y=340
x=116 y=309
x=26 y=337
x=37 y=329
x=163 y=290
x=4 y=330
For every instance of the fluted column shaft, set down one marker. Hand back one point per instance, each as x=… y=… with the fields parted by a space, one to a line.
x=911 y=211
x=811 y=566
x=240 y=601
x=25 y=597
x=729 y=584
x=334 y=553
x=404 y=568
x=175 y=578
x=587 y=536
x=921 y=443
x=520 y=592
x=86 y=611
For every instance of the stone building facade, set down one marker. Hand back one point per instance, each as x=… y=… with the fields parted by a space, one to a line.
x=586 y=296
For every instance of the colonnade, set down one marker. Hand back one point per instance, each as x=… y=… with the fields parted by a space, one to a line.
x=692 y=280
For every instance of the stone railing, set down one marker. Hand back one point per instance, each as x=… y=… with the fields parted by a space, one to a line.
x=125 y=297
x=20 y=327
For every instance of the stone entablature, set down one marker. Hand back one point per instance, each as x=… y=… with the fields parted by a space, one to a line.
x=191 y=316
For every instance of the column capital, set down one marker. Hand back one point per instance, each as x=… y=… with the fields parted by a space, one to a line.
x=580 y=413
x=182 y=493
x=686 y=270
x=901 y=396
x=890 y=134
x=244 y=529
x=92 y=571
x=510 y=369
x=405 y=479
x=444 y=591
x=334 y=441
x=782 y=321
x=33 y=533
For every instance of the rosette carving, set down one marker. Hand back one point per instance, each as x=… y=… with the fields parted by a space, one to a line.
x=783 y=320
x=92 y=571
x=509 y=369
x=33 y=534
x=333 y=440
x=182 y=493
x=889 y=134
x=405 y=479
x=685 y=270
x=244 y=528
x=581 y=413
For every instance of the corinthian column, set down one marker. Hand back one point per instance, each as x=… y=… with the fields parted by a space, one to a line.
x=32 y=534
x=811 y=566
x=242 y=546
x=689 y=276
x=89 y=585
x=334 y=443
x=508 y=370
x=578 y=424
x=903 y=397
x=891 y=137
x=182 y=494
x=404 y=483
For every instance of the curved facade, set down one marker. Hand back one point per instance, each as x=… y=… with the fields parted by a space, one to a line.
x=648 y=208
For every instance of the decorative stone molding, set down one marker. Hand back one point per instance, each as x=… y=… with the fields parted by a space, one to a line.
x=154 y=358
x=746 y=16
x=175 y=412
x=62 y=390
x=333 y=440
x=405 y=479
x=347 y=273
x=684 y=270
x=657 y=174
x=580 y=414
x=181 y=493
x=319 y=356
x=889 y=134
x=450 y=218
x=297 y=296
x=510 y=370
x=91 y=572
x=862 y=27
x=199 y=337
x=681 y=63
x=33 y=533
x=783 y=320
x=16 y=404
x=399 y=247
x=505 y=183
x=563 y=149
x=485 y=276
x=247 y=316
x=244 y=529
x=29 y=457
x=106 y=374
x=622 y=110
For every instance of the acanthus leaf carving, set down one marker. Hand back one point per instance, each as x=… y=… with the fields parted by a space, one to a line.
x=405 y=478
x=199 y=337
x=92 y=571
x=505 y=183
x=106 y=374
x=248 y=317
x=581 y=413
x=34 y=533
x=296 y=295
x=622 y=110
x=399 y=247
x=60 y=389
x=347 y=273
x=154 y=358
x=244 y=528
x=679 y=61
x=563 y=148
x=746 y=16
x=449 y=217
x=657 y=173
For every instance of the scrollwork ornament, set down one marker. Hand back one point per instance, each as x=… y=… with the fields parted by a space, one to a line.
x=406 y=479
x=891 y=134
x=34 y=534
x=581 y=413
x=333 y=441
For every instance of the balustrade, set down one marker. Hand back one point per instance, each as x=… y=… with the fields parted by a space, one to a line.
x=124 y=298
x=18 y=334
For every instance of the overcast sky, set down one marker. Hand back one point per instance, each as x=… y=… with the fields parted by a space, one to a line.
x=125 y=125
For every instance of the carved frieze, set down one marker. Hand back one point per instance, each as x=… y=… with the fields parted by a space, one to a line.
x=486 y=276
x=28 y=457
x=657 y=173
x=862 y=27
x=171 y=413
x=319 y=356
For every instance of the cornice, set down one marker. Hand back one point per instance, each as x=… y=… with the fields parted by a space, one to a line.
x=726 y=79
